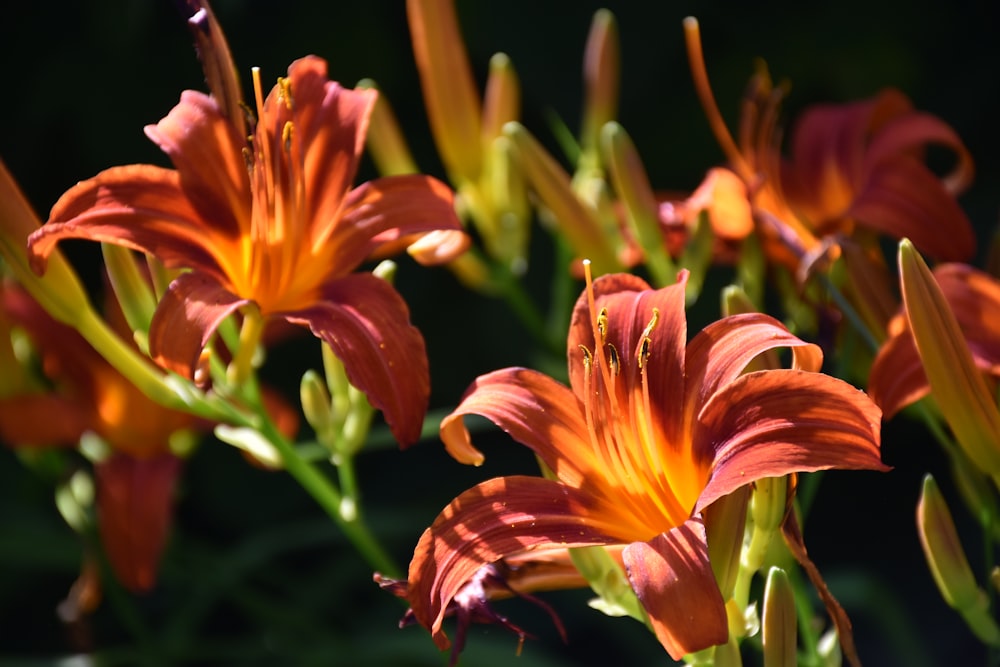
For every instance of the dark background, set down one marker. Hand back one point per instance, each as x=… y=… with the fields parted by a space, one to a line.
x=255 y=573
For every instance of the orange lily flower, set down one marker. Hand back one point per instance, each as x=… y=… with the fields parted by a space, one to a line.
x=135 y=483
x=897 y=375
x=857 y=164
x=650 y=432
x=271 y=220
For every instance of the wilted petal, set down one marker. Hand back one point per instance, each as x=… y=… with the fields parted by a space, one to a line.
x=137 y=206
x=367 y=324
x=776 y=422
x=498 y=517
x=189 y=313
x=134 y=501
x=673 y=578
x=534 y=410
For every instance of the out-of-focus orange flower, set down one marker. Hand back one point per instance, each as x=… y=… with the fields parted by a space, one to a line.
x=651 y=430
x=271 y=220
x=135 y=483
x=897 y=375
x=857 y=164
x=931 y=352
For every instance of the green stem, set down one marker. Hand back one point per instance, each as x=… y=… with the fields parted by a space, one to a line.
x=323 y=492
x=241 y=367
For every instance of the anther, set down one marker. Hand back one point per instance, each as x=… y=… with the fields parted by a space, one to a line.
x=643 y=352
x=286 y=136
x=613 y=364
x=602 y=324
x=285 y=92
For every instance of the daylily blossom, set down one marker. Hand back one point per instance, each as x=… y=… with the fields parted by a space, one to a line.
x=270 y=225
x=852 y=165
x=651 y=431
x=135 y=482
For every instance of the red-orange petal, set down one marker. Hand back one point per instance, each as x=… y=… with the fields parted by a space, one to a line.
x=533 y=409
x=501 y=516
x=134 y=511
x=720 y=352
x=42 y=420
x=208 y=155
x=902 y=198
x=331 y=123
x=367 y=324
x=188 y=314
x=379 y=214
x=137 y=206
x=673 y=578
x=772 y=423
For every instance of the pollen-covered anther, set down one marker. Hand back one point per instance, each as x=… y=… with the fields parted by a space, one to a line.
x=613 y=365
x=286 y=135
x=602 y=324
x=285 y=92
x=642 y=351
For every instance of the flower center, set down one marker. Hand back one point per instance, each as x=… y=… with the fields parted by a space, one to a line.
x=273 y=273
x=627 y=436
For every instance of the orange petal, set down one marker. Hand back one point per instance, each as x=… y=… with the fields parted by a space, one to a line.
x=190 y=311
x=367 y=324
x=533 y=409
x=673 y=578
x=772 y=423
x=499 y=517
x=134 y=508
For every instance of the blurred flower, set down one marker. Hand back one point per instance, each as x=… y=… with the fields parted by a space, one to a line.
x=929 y=351
x=651 y=431
x=859 y=164
x=271 y=221
x=135 y=482
x=468 y=133
x=897 y=376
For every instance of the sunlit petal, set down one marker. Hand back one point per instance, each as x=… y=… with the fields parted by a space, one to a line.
x=772 y=423
x=534 y=410
x=189 y=313
x=367 y=324
x=495 y=518
x=673 y=578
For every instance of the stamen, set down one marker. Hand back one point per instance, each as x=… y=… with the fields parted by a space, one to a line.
x=285 y=92
x=602 y=324
x=696 y=59
x=286 y=136
x=613 y=359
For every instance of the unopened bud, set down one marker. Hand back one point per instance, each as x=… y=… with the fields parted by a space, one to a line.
x=949 y=566
x=779 y=622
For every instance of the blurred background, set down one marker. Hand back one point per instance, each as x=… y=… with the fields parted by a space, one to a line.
x=255 y=574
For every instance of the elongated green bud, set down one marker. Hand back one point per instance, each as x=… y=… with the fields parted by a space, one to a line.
x=949 y=566
x=779 y=622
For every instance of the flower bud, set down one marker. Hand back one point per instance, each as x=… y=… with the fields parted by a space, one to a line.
x=949 y=565
x=779 y=622
x=956 y=383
